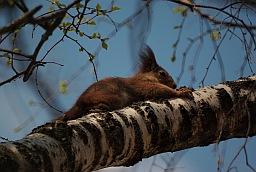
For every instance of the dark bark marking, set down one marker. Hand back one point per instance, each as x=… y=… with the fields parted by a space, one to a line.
x=186 y=125
x=236 y=87
x=113 y=130
x=138 y=109
x=208 y=121
x=168 y=122
x=124 y=118
x=139 y=145
x=165 y=140
x=61 y=132
x=152 y=124
x=252 y=109
x=226 y=101
x=8 y=158
x=31 y=154
x=34 y=160
x=128 y=124
x=97 y=142
x=167 y=103
x=82 y=135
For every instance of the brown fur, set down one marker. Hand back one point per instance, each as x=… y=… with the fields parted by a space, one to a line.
x=151 y=81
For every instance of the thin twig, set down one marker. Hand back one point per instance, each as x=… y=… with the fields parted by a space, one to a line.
x=37 y=87
x=16 y=53
x=12 y=78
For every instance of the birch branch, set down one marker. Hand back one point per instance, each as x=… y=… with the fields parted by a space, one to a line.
x=124 y=137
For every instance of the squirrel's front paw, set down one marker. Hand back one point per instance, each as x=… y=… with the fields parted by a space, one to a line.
x=185 y=92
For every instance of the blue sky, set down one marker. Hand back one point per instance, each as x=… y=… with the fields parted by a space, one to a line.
x=120 y=60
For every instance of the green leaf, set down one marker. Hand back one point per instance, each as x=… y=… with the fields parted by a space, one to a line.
x=98 y=7
x=17 y=129
x=7 y=55
x=63 y=87
x=63 y=83
x=92 y=23
x=80 y=20
x=15 y=50
x=31 y=102
x=67 y=24
x=8 y=62
x=79 y=5
x=91 y=58
x=81 y=33
x=184 y=13
x=63 y=90
x=96 y=36
x=71 y=29
x=176 y=27
x=173 y=58
x=215 y=35
x=175 y=44
x=81 y=49
x=115 y=8
x=59 y=4
x=98 y=13
x=16 y=30
x=104 y=45
x=180 y=9
x=104 y=12
x=50 y=9
x=10 y=2
x=64 y=31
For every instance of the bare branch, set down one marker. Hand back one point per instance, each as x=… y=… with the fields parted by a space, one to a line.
x=21 y=21
x=195 y=7
x=44 y=38
x=12 y=78
x=21 y=5
x=82 y=14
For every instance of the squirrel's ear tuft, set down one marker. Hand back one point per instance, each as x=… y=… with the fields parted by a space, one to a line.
x=147 y=60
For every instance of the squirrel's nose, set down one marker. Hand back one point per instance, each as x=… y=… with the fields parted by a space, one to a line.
x=174 y=86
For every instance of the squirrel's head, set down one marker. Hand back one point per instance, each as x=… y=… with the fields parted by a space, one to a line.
x=155 y=72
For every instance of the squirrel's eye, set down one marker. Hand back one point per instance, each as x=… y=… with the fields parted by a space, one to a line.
x=162 y=73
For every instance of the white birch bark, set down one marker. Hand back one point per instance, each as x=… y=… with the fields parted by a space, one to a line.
x=124 y=137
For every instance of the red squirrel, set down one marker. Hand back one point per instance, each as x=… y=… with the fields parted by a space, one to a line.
x=150 y=82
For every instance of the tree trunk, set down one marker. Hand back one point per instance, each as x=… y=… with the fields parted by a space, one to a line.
x=124 y=137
